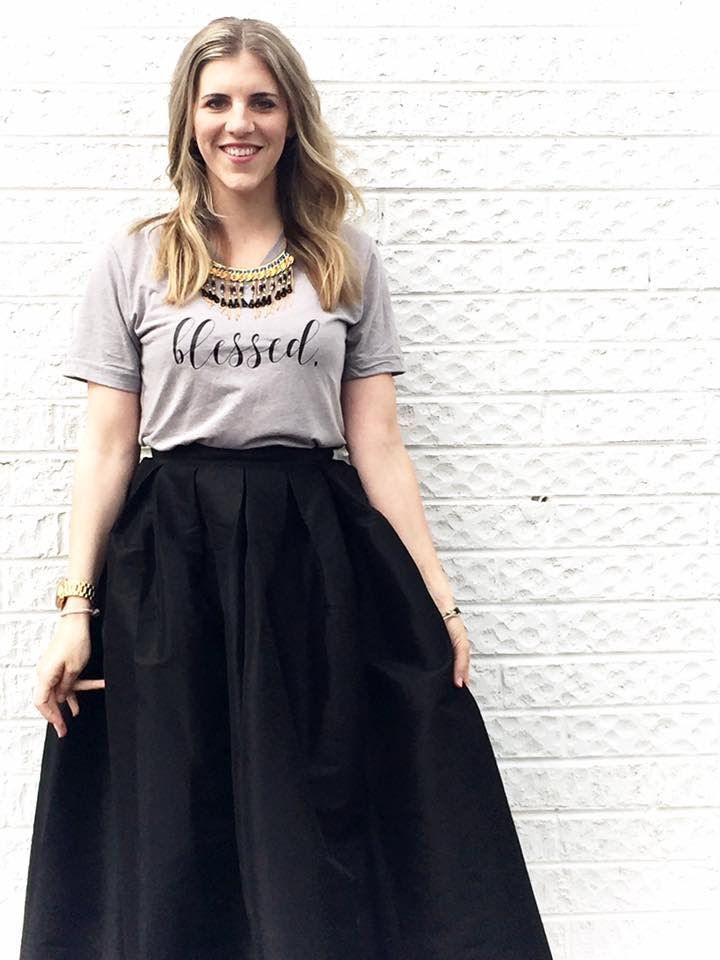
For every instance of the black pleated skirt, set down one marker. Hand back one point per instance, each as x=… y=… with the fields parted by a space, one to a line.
x=280 y=766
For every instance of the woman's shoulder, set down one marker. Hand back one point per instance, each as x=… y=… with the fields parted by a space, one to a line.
x=126 y=240
x=360 y=241
x=131 y=249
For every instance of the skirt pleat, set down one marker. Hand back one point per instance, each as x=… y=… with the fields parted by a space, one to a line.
x=280 y=766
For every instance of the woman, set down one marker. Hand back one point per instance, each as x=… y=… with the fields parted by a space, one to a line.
x=265 y=742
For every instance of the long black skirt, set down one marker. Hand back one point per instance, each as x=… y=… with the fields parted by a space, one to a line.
x=280 y=766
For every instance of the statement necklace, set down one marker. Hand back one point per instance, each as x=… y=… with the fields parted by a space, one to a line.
x=259 y=288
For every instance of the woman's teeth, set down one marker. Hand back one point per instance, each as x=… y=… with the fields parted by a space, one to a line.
x=240 y=151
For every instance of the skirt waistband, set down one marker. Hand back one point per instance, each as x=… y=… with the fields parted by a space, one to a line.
x=276 y=452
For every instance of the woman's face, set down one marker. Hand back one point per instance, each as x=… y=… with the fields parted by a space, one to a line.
x=239 y=102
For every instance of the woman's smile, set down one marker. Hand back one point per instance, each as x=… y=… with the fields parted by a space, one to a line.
x=235 y=155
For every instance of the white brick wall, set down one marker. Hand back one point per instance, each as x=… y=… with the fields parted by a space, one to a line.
x=561 y=403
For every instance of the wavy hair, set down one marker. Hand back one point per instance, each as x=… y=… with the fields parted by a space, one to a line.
x=312 y=192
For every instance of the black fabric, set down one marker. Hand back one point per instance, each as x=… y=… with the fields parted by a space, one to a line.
x=280 y=766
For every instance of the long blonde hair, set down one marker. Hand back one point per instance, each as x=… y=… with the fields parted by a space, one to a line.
x=311 y=188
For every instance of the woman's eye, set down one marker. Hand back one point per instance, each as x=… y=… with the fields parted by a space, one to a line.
x=216 y=101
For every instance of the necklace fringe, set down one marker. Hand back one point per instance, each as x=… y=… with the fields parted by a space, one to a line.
x=260 y=289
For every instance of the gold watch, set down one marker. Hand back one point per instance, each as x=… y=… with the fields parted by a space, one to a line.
x=73 y=588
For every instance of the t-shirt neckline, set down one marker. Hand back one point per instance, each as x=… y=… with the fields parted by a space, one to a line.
x=273 y=252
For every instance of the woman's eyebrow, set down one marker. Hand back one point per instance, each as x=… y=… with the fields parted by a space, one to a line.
x=261 y=93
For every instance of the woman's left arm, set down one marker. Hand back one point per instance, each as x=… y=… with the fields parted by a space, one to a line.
x=377 y=451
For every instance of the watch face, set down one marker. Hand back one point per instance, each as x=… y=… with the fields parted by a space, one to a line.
x=59 y=593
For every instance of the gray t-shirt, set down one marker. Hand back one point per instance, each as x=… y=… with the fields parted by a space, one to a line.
x=224 y=382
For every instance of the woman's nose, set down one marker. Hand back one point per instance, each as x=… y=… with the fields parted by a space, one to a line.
x=238 y=119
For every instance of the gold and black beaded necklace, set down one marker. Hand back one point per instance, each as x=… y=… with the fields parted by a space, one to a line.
x=261 y=289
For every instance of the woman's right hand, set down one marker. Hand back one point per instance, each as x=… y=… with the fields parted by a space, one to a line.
x=58 y=669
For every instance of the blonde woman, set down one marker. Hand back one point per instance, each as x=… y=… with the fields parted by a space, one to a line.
x=260 y=742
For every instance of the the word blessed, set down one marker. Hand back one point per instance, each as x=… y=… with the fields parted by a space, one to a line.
x=197 y=351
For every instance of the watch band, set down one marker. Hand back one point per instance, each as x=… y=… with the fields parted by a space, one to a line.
x=73 y=588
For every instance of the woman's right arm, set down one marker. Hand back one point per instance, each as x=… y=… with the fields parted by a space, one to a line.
x=107 y=455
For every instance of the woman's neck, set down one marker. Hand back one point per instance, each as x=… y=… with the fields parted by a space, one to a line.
x=242 y=246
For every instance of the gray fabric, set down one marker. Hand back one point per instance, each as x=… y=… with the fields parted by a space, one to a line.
x=238 y=388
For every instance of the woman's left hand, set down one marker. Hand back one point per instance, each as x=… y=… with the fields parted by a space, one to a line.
x=461 y=644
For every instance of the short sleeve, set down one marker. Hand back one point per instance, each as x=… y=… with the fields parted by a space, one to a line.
x=372 y=345
x=103 y=346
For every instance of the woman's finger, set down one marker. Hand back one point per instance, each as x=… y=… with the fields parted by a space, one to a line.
x=461 y=648
x=462 y=662
x=95 y=684
x=73 y=704
x=44 y=700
